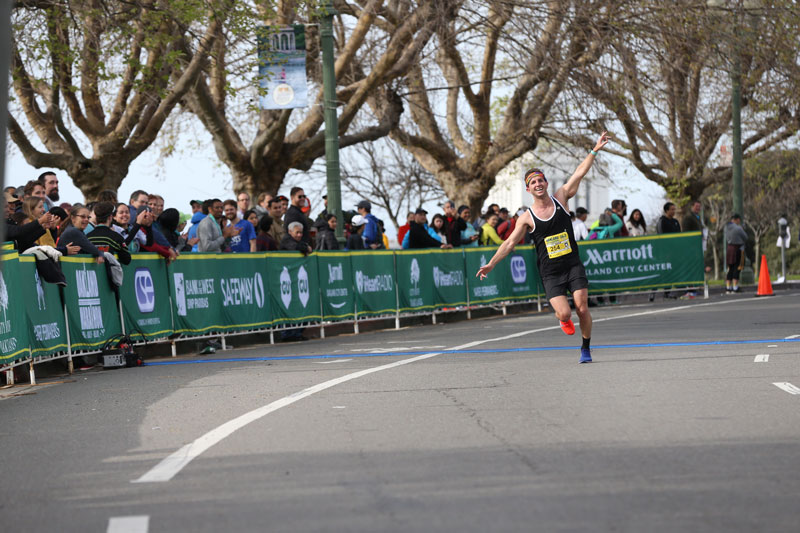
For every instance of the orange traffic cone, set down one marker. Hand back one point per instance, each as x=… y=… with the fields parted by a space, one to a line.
x=764 y=284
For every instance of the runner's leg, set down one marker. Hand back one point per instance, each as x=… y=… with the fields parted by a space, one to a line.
x=581 y=299
x=560 y=305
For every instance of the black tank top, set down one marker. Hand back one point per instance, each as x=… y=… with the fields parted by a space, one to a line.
x=556 y=248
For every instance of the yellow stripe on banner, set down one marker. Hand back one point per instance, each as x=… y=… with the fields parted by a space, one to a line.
x=218 y=327
x=191 y=256
x=420 y=308
x=360 y=253
x=27 y=259
x=7 y=246
x=154 y=334
x=77 y=259
x=333 y=254
x=380 y=311
x=51 y=348
x=285 y=253
x=643 y=238
x=14 y=355
x=346 y=315
x=9 y=256
x=148 y=256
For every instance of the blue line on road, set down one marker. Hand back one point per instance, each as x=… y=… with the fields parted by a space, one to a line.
x=468 y=351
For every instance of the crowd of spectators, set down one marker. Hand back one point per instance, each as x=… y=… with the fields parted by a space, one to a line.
x=275 y=222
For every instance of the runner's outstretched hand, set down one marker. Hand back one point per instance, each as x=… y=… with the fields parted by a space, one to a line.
x=602 y=141
x=484 y=271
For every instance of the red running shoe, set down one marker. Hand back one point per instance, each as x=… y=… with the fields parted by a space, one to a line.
x=568 y=327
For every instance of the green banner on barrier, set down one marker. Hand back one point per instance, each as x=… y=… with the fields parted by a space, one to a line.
x=496 y=285
x=294 y=287
x=145 y=296
x=449 y=278
x=638 y=263
x=44 y=310
x=335 y=277
x=219 y=292
x=525 y=282
x=92 y=312
x=415 y=289
x=14 y=332
x=373 y=279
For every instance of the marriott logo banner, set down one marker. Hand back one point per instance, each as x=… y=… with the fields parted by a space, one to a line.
x=638 y=263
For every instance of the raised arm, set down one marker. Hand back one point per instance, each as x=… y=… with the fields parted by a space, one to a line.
x=570 y=188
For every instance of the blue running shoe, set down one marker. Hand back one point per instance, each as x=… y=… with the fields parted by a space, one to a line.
x=586 y=355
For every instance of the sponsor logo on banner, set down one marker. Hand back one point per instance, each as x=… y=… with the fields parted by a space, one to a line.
x=10 y=344
x=518 y=271
x=40 y=299
x=192 y=293
x=303 y=290
x=414 y=272
x=336 y=273
x=484 y=290
x=145 y=290
x=242 y=291
x=286 y=287
x=624 y=271
x=380 y=283
x=443 y=278
x=89 y=308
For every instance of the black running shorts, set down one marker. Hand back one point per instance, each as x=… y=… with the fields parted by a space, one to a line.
x=570 y=280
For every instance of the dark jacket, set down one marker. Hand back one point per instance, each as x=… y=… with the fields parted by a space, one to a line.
x=25 y=235
x=668 y=225
x=105 y=236
x=326 y=238
x=691 y=222
x=454 y=227
x=420 y=238
x=294 y=214
x=77 y=238
x=295 y=246
x=354 y=242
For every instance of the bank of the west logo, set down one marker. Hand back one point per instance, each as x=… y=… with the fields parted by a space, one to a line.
x=180 y=293
x=518 y=271
x=286 y=287
x=145 y=290
x=414 y=272
x=596 y=257
x=303 y=290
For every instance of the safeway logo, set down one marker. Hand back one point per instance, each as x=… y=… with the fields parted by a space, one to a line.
x=145 y=290
x=518 y=271
x=596 y=257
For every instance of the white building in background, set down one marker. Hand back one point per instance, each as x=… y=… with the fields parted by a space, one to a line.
x=509 y=189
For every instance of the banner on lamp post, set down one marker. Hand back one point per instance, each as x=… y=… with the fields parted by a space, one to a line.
x=282 y=67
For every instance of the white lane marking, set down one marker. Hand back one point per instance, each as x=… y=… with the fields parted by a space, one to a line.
x=128 y=524
x=793 y=336
x=331 y=362
x=339 y=407
x=772 y=345
x=788 y=387
x=175 y=462
x=761 y=358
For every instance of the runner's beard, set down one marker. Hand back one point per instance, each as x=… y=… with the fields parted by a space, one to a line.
x=53 y=195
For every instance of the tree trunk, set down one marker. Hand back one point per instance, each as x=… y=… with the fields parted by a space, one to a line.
x=98 y=174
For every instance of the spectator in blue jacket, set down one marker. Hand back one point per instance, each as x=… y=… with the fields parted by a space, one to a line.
x=373 y=238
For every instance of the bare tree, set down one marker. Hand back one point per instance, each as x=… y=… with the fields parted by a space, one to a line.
x=389 y=177
x=717 y=209
x=103 y=75
x=663 y=86
x=497 y=57
x=377 y=43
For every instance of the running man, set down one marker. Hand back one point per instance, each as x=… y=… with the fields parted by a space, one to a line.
x=557 y=256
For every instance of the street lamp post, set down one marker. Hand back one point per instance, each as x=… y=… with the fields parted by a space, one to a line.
x=331 y=118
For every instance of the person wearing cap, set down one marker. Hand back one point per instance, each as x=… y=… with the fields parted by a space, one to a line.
x=322 y=218
x=557 y=257
x=373 y=238
x=419 y=235
x=356 y=241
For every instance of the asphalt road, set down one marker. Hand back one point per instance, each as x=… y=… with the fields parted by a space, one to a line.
x=483 y=425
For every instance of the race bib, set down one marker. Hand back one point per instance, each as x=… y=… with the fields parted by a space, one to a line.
x=557 y=245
